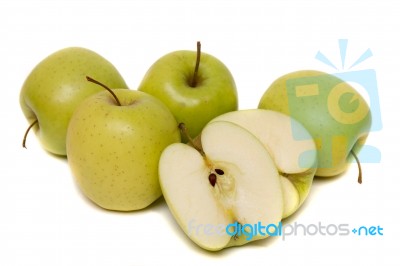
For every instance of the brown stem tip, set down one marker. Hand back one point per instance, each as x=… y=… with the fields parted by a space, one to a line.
x=27 y=131
x=105 y=87
x=359 y=167
x=193 y=83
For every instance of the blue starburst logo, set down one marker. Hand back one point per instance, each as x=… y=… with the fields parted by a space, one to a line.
x=343 y=52
x=341 y=103
x=367 y=80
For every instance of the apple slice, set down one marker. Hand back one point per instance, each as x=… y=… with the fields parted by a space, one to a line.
x=290 y=145
x=232 y=178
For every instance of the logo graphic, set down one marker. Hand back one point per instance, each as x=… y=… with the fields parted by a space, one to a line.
x=365 y=78
x=249 y=231
x=348 y=112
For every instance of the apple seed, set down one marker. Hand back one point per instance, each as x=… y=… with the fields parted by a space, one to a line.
x=213 y=179
x=219 y=171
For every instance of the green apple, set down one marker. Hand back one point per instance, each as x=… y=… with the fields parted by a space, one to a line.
x=230 y=179
x=295 y=159
x=195 y=86
x=56 y=86
x=335 y=114
x=113 y=151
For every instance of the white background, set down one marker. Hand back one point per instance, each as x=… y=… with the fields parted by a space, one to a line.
x=45 y=220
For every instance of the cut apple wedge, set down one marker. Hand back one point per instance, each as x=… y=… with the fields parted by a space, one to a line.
x=231 y=178
x=290 y=145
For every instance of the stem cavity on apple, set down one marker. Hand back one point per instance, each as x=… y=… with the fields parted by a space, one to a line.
x=194 y=80
x=358 y=165
x=27 y=131
x=105 y=87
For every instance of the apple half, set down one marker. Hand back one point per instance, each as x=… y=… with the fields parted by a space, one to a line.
x=291 y=146
x=230 y=179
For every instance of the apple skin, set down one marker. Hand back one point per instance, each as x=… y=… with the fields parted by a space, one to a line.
x=169 y=80
x=57 y=85
x=114 y=151
x=326 y=113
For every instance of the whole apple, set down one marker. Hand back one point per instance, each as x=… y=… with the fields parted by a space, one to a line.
x=195 y=86
x=56 y=86
x=335 y=114
x=113 y=150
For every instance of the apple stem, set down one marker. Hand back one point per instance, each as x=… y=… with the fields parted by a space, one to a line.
x=184 y=132
x=196 y=68
x=359 y=167
x=27 y=131
x=105 y=87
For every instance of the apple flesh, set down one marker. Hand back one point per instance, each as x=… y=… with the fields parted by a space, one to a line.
x=113 y=151
x=56 y=86
x=233 y=180
x=335 y=114
x=295 y=158
x=170 y=79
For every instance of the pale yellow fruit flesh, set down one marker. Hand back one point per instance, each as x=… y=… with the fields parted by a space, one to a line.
x=290 y=145
x=249 y=191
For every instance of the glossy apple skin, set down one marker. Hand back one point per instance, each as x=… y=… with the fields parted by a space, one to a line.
x=169 y=80
x=113 y=151
x=333 y=112
x=57 y=85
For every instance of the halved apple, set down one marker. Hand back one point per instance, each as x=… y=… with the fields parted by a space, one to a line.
x=290 y=145
x=230 y=178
